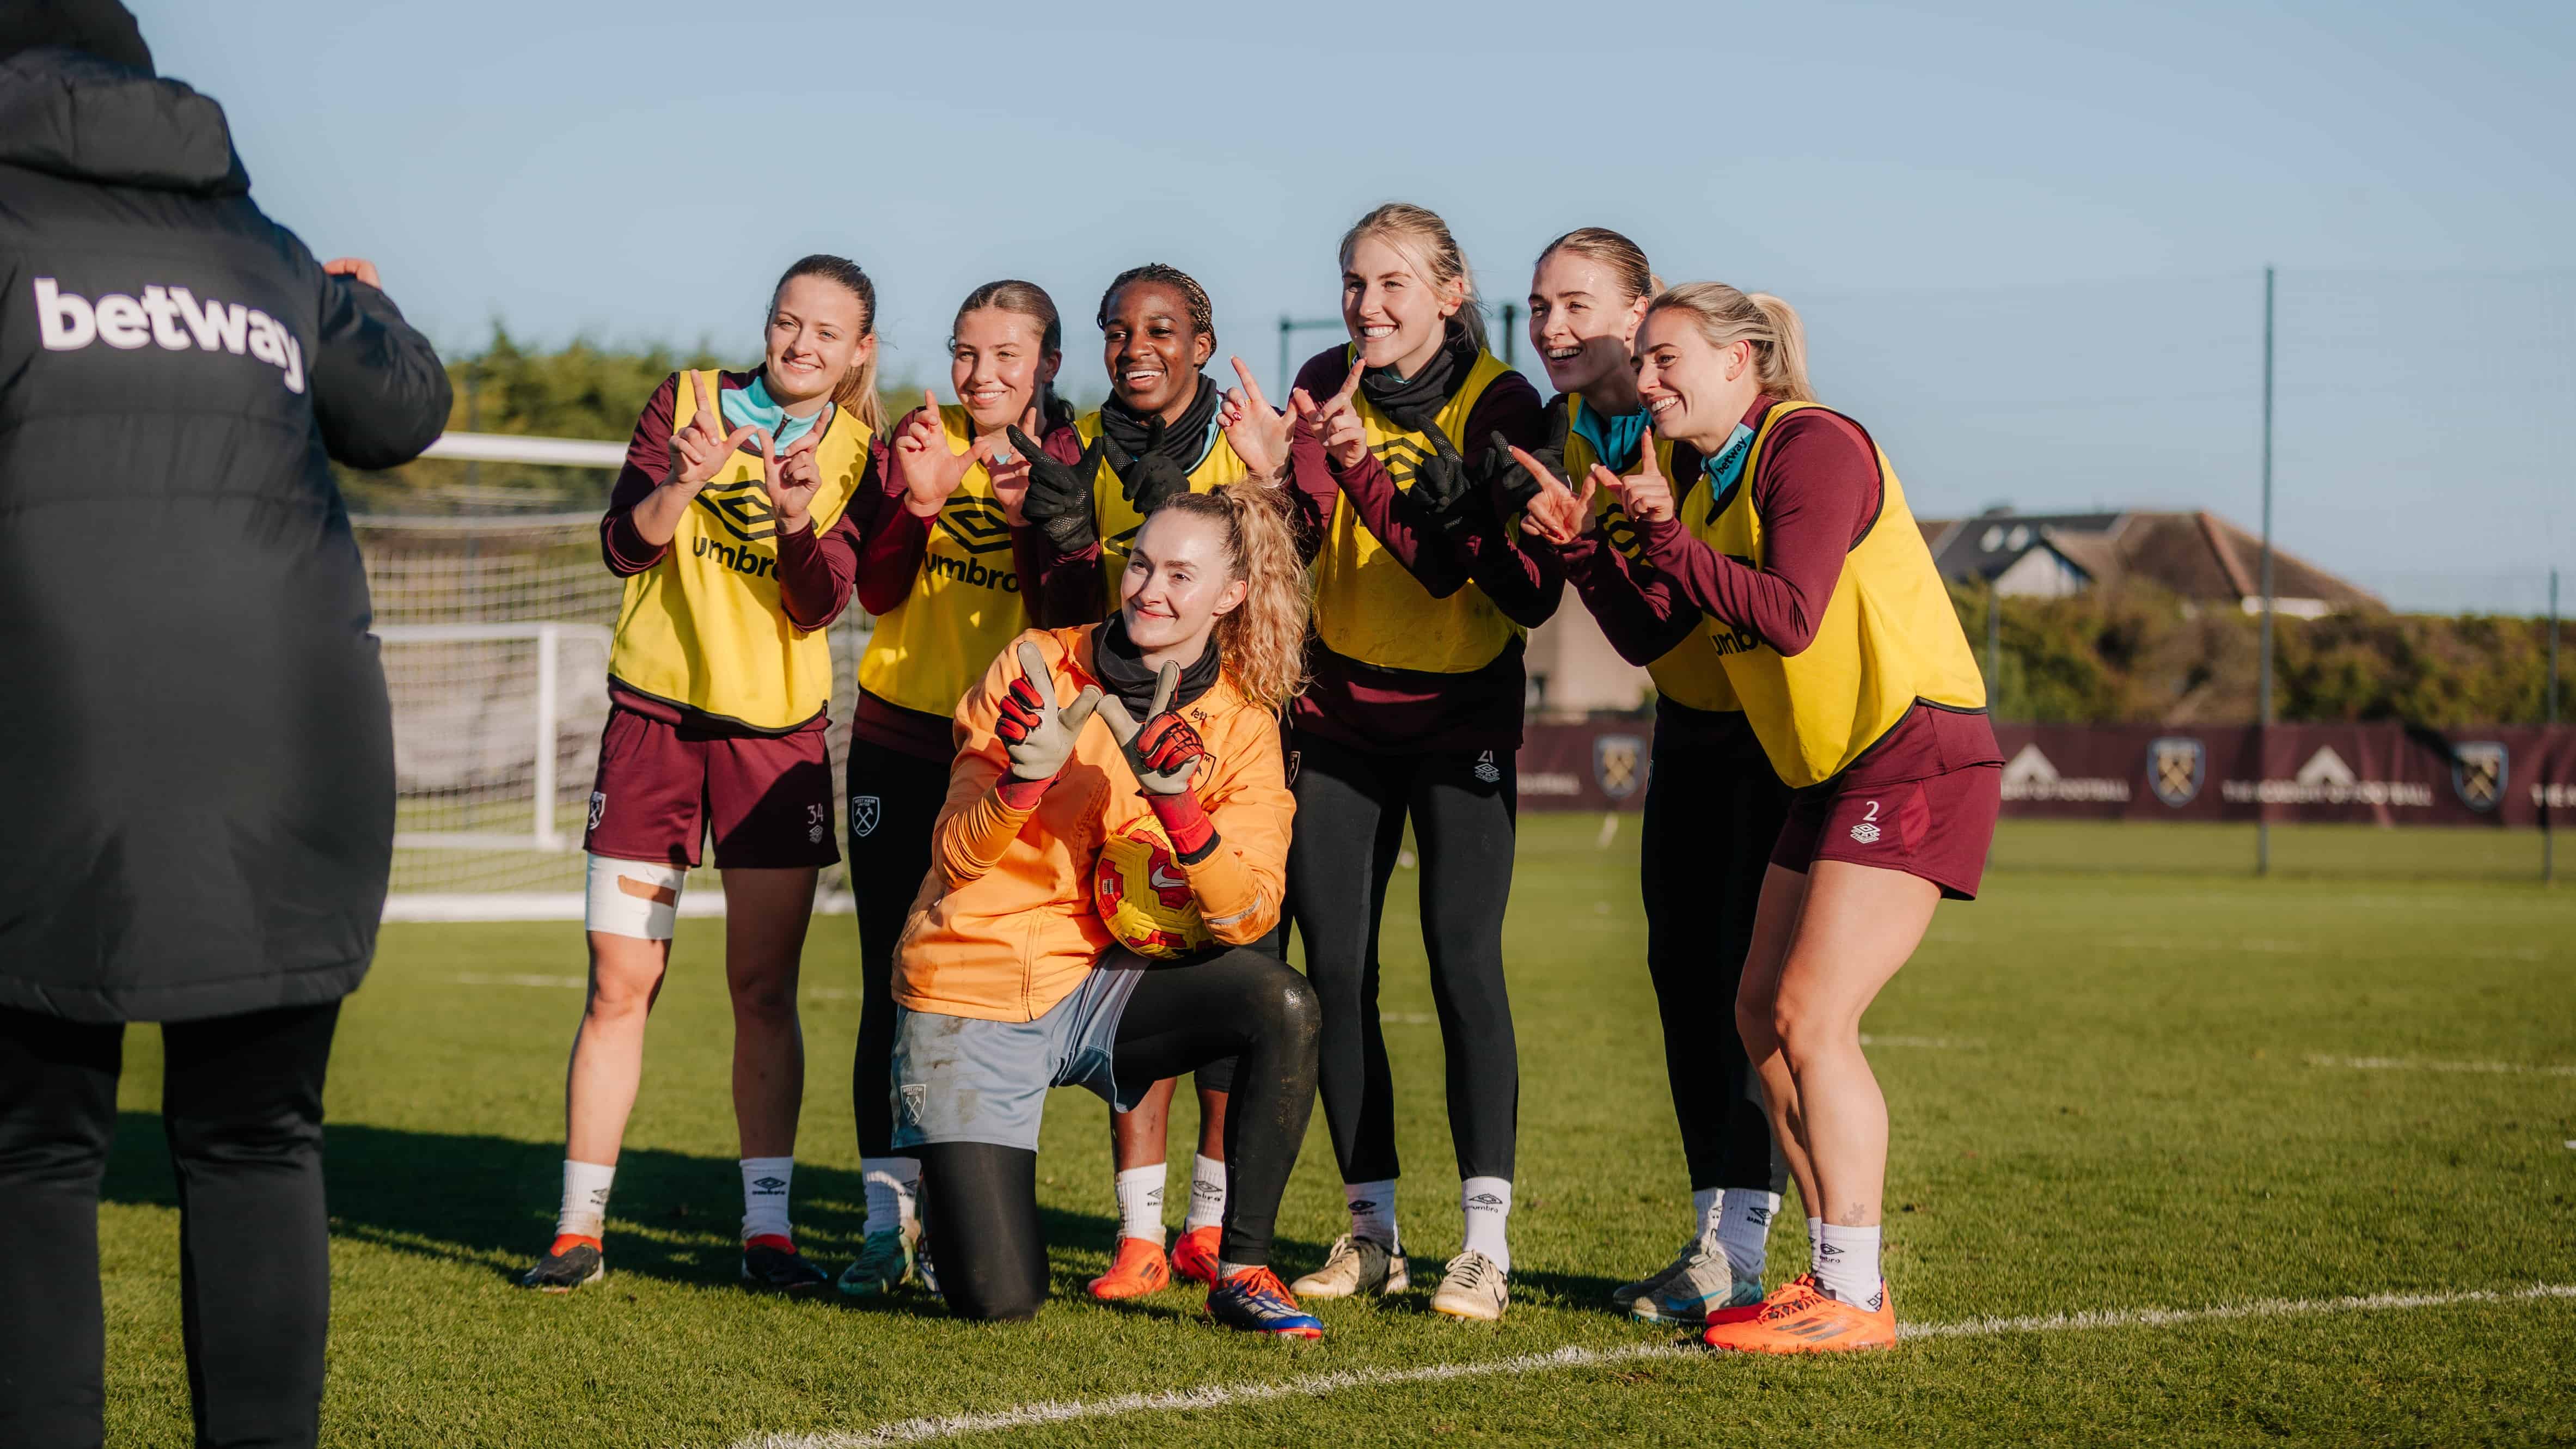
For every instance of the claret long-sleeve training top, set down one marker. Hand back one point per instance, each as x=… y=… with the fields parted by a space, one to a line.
x=1462 y=702
x=947 y=591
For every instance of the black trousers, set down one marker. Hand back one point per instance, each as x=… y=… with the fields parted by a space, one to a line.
x=1712 y=813
x=1351 y=810
x=979 y=1200
x=241 y=1105
x=894 y=801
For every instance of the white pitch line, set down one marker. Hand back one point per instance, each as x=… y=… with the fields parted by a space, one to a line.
x=1221 y=1396
x=480 y=978
x=582 y=983
x=2410 y=1064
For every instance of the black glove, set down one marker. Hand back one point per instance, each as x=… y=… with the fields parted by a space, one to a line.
x=1150 y=477
x=1513 y=486
x=1059 y=496
x=1443 y=485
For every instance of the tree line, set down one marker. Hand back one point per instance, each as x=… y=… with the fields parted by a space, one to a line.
x=2129 y=655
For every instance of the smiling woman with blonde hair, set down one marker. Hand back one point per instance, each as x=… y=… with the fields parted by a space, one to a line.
x=1422 y=598
x=1819 y=598
x=1020 y=970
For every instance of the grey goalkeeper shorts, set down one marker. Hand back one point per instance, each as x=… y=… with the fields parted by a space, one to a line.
x=962 y=1079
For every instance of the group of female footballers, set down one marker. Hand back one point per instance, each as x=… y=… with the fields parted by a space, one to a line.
x=1117 y=655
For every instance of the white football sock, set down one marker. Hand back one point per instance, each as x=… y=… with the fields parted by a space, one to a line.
x=764 y=1196
x=1372 y=1210
x=585 y=1198
x=1207 y=1194
x=1815 y=1241
x=1140 y=1202
x=1225 y=1270
x=894 y=1191
x=1705 y=1202
x=1487 y=1202
x=1744 y=1229
x=1847 y=1264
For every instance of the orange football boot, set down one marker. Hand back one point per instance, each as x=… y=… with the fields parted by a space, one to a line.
x=1194 y=1256
x=1138 y=1269
x=1798 y=1317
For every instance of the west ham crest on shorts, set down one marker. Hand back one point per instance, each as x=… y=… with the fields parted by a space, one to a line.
x=1618 y=765
x=863 y=815
x=2478 y=773
x=2175 y=766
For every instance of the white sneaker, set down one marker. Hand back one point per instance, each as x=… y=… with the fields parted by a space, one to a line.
x=1626 y=1294
x=1471 y=1286
x=1355 y=1265
x=1705 y=1285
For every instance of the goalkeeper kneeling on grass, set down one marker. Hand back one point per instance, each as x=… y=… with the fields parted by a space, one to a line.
x=1114 y=838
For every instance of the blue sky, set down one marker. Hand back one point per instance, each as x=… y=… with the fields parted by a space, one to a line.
x=2028 y=238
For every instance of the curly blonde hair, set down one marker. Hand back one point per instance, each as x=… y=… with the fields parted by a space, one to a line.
x=1263 y=641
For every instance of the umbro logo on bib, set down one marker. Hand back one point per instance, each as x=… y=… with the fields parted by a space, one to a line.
x=1403 y=459
x=977 y=525
x=741 y=508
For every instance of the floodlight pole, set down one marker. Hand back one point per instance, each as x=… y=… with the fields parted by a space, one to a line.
x=1511 y=334
x=2549 y=841
x=1995 y=647
x=2263 y=694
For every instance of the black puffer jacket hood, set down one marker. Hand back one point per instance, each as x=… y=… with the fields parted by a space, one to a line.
x=68 y=113
x=196 y=763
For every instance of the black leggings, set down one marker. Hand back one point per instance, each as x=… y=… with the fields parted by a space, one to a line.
x=979 y=1201
x=241 y=1107
x=896 y=798
x=1713 y=811
x=1351 y=809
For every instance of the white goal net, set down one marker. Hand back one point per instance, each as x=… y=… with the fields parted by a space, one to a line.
x=495 y=635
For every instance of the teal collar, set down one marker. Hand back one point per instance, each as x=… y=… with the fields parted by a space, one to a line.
x=752 y=406
x=1614 y=440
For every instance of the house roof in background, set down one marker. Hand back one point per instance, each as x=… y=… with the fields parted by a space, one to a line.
x=2197 y=555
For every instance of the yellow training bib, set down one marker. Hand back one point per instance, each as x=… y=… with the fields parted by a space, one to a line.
x=1117 y=520
x=1889 y=636
x=703 y=628
x=1368 y=606
x=964 y=605
x=1688 y=673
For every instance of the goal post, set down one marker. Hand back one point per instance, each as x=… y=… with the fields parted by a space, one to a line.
x=494 y=631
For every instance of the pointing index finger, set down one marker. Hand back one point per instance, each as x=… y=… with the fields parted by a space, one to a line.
x=1251 y=389
x=708 y=414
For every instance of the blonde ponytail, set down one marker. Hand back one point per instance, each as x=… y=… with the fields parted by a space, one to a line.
x=1727 y=316
x=1263 y=641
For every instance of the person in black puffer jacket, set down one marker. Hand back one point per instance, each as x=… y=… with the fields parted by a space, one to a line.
x=196 y=752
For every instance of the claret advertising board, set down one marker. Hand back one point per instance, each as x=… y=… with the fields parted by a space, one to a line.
x=2384 y=774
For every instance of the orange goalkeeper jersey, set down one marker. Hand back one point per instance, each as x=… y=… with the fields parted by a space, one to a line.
x=1004 y=926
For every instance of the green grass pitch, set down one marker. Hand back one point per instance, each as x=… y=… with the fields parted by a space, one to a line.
x=2112 y=1090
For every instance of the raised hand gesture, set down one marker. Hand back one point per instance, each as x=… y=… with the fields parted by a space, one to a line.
x=928 y=470
x=1257 y=431
x=791 y=479
x=1646 y=498
x=1163 y=751
x=1059 y=496
x=1554 y=511
x=1036 y=734
x=1500 y=468
x=1335 y=421
x=1442 y=483
x=700 y=450
x=1147 y=478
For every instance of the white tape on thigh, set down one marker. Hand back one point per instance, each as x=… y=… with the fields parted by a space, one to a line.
x=633 y=898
